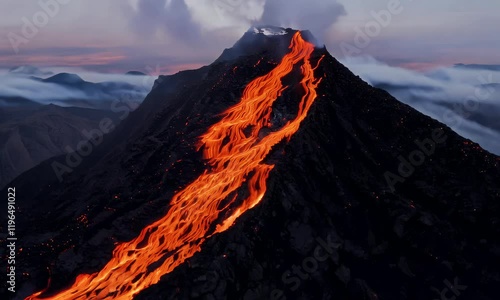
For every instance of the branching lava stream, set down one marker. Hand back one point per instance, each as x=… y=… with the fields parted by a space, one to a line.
x=235 y=159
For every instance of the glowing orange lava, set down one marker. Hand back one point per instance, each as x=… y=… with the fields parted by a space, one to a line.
x=236 y=152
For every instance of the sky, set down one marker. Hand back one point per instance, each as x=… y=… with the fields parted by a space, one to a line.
x=165 y=36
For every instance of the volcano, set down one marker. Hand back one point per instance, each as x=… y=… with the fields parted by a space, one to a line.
x=273 y=173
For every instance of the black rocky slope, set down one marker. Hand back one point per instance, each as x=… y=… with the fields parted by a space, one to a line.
x=327 y=191
x=30 y=135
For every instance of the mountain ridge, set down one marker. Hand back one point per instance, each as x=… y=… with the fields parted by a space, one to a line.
x=32 y=135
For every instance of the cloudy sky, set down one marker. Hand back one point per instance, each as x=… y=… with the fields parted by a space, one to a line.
x=169 y=35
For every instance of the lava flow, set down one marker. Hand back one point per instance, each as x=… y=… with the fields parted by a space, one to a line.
x=235 y=151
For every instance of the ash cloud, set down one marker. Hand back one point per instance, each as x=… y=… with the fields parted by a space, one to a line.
x=465 y=99
x=172 y=17
x=314 y=15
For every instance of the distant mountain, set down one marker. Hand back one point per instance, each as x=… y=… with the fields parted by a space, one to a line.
x=29 y=70
x=17 y=102
x=331 y=222
x=30 y=135
x=65 y=78
x=135 y=73
x=72 y=90
x=478 y=67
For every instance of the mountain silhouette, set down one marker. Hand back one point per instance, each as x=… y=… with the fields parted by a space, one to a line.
x=368 y=199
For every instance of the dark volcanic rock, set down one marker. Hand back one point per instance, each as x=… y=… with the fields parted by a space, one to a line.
x=30 y=135
x=329 y=226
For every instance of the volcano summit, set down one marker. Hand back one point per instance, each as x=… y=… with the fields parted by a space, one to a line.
x=265 y=176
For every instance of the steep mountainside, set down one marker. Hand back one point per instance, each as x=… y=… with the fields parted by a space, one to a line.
x=369 y=199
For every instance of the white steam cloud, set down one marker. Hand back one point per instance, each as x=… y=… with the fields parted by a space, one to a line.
x=314 y=15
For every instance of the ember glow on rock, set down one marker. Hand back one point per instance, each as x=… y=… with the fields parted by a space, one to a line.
x=236 y=152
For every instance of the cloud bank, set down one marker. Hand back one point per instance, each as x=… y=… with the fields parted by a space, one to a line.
x=314 y=15
x=87 y=89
